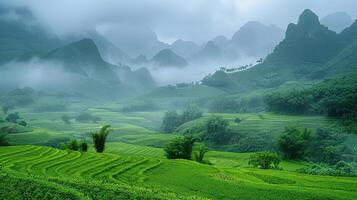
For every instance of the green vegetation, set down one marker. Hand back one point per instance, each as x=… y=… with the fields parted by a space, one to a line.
x=265 y=160
x=180 y=148
x=99 y=138
x=172 y=119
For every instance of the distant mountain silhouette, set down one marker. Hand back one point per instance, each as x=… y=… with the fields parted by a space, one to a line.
x=168 y=58
x=337 y=21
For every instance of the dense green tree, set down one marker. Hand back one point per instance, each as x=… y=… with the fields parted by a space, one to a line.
x=99 y=138
x=200 y=153
x=12 y=117
x=3 y=140
x=180 y=148
x=23 y=123
x=265 y=160
x=83 y=146
x=217 y=130
x=293 y=142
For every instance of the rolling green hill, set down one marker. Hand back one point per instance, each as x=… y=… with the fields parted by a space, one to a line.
x=128 y=177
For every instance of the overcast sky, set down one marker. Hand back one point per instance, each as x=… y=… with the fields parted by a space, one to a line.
x=197 y=20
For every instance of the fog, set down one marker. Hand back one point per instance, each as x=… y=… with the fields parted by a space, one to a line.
x=146 y=26
x=39 y=75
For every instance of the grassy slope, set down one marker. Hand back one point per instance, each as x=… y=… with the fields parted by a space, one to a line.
x=179 y=177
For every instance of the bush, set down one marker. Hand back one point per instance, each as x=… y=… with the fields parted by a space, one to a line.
x=293 y=142
x=71 y=145
x=200 y=153
x=12 y=117
x=99 y=138
x=172 y=120
x=3 y=140
x=23 y=123
x=340 y=169
x=217 y=130
x=83 y=146
x=180 y=148
x=265 y=160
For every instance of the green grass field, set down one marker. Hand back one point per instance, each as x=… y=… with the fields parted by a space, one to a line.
x=144 y=169
x=134 y=165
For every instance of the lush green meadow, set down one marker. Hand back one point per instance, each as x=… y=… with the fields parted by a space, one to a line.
x=134 y=164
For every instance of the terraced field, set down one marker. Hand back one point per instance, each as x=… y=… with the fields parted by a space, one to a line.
x=121 y=176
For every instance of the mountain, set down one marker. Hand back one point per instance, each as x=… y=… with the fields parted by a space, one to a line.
x=83 y=57
x=135 y=40
x=309 y=51
x=337 y=21
x=184 y=48
x=307 y=41
x=22 y=36
x=256 y=39
x=168 y=58
x=139 y=80
x=210 y=52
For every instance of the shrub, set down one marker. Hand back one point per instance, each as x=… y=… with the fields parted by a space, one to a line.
x=23 y=123
x=172 y=119
x=200 y=153
x=265 y=160
x=293 y=142
x=340 y=169
x=99 y=138
x=3 y=140
x=83 y=146
x=12 y=117
x=180 y=148
x=217 y=130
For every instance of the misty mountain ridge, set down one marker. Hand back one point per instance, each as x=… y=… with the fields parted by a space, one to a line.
x=337 y=21
x=168 y=58
x=309 y=51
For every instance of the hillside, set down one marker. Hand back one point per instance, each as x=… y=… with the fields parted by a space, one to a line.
x=309 y=51
x=168 y=58
x=137 y=177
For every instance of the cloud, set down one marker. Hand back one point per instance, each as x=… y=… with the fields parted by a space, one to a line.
x=197 y=20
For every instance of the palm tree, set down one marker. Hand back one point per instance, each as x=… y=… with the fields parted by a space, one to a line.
x=100 y=137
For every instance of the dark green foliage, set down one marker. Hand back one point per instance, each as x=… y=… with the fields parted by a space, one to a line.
x=7 y=106
x=71 y=145
x=293 y=142
x=200 y=153
x=172 y=119
x=333 y=97
x=217 y=130
x=87 y=117
x=265 y=160
x=293 y=102
x=237 y=120
x=251 y=143
x=23 y=123
x=99 y=138
x=326 y=147
x=339 y=169
x=237 y=105
x=66 y=119
x=180 y=148
x=12 y=117
x=3 y=140
x=83 y=146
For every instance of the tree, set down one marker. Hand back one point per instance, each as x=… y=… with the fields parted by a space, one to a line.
x=83 y=146
x=265 y=160
x=73 y=145
x=180 y=148
x=7 y=106
x=3 y=140
x=12 y=117
x=200 y=153
x=100 y=137
x=293 y=142
x=66 y=119
x=170 y=121
x=23 y=123
x=217 y=130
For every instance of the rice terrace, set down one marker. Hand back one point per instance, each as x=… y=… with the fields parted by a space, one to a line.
x=99 y=103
